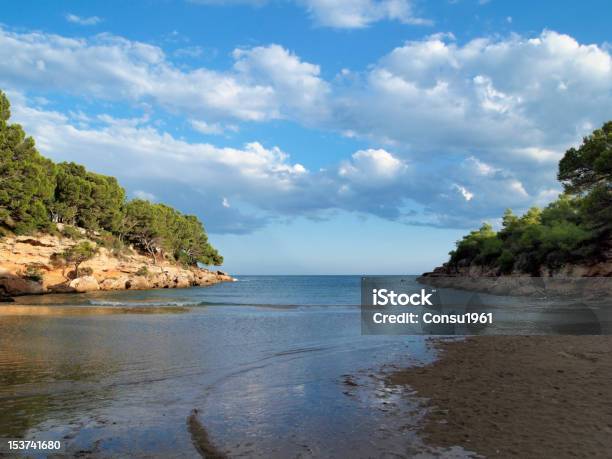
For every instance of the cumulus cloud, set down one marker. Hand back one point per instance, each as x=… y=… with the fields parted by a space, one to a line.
x=263 y=184
x=143 y=157
x=84 y=21
x=509 y=106
x=452 y=133
x=265 y=83
x=532 y=95
x=297 y=84
x=372 y=168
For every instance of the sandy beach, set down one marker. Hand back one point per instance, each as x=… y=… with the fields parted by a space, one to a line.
x=518 y=396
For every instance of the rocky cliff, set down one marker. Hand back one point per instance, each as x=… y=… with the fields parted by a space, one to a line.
x=27 y=266
x=488 y=280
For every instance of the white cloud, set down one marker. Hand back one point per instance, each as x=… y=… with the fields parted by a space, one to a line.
x=467 y=195
x=539 y=155
x=434 y=94
x=518 y=188
x=297 y=84
x=350 y=14
x=266 y=83
x=141 y=194
x=486 y=120
x=372 y=168
x=130 y=149
x=84 y=21
x=498 y=99
x=212 y=128
x=344 y=14
x=264 y=180
x=512 y=99
x=479 y=167
x=490 y=98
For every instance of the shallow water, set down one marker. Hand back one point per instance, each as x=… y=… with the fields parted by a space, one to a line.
x=264 y=361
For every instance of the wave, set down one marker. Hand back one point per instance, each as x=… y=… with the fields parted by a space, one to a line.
x=127 y=303
x=142 y=303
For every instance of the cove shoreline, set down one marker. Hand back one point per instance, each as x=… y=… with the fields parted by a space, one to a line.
x=27 y=267
x=525 y=396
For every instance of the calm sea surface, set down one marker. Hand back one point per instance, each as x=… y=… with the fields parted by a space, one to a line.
x=275 y=365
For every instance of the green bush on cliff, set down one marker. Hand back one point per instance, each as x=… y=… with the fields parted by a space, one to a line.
x=85 y=199
x=162 y=231
x=71 y=233
x=78 y=254
x=35 y=193
x=27 y=180
x=575 y=228
x=33 y=273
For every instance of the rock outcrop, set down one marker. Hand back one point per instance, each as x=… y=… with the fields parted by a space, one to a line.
x=488 y=280
x=27 y=267
x=84 y=284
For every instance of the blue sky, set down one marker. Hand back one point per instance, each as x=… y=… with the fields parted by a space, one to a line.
x=315 y=136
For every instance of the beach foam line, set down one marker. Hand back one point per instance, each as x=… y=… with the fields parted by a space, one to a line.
x=127 y=303
x=33 y=310
x=143 y=303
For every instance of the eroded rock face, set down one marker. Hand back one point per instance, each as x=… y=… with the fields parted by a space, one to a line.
x=13 y=285
x=481 y=279
x=109 y=272
x=114 y=283
x=601 y=269
x=84 y=284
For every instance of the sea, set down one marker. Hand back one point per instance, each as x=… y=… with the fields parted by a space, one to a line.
x=270 y=366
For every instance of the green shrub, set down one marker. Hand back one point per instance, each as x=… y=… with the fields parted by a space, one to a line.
x=71 y=232
x=78 y=254
x=110 y=242
x=33 y=273
x=506 y=262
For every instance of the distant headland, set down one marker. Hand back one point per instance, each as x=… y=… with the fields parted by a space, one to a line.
x=571 y=237
x=66 y=229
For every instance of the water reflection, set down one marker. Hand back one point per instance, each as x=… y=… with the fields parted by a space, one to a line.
x=266 y=381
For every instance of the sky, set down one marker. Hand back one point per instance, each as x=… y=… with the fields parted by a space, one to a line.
x=315 y=136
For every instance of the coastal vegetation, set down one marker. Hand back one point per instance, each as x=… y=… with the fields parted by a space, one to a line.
x=78 y=254
x=574 y=229
x=37 y=194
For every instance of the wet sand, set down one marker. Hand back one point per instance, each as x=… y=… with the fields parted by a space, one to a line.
x=518 y=396
x=35 y=310
x=200 y=439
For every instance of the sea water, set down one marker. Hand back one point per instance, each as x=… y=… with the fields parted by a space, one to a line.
x=275 y=366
